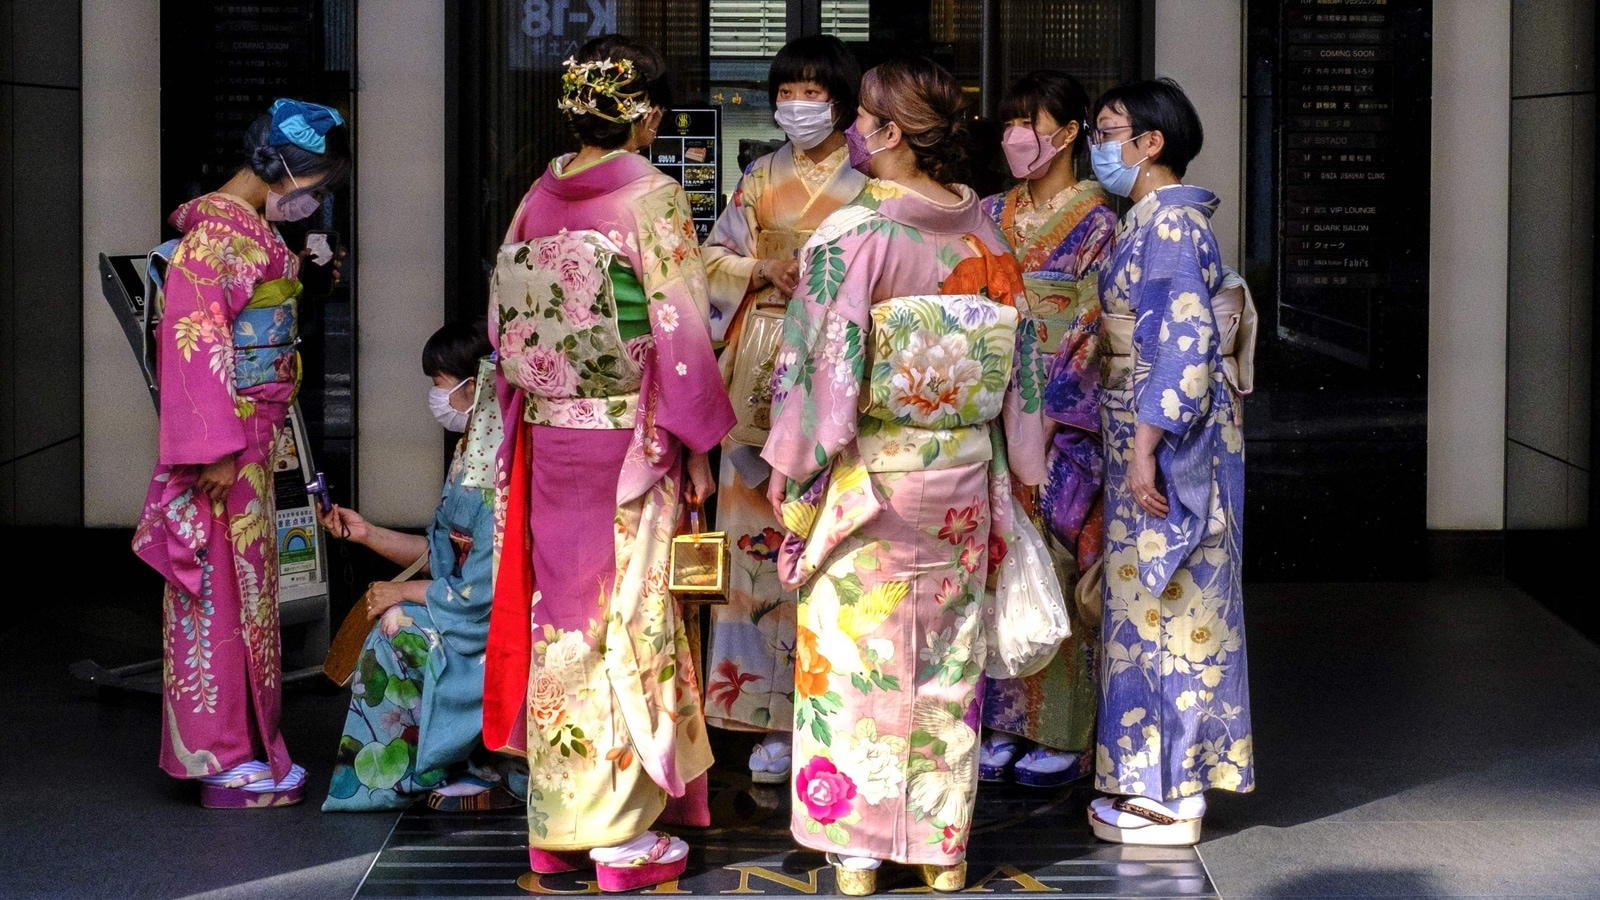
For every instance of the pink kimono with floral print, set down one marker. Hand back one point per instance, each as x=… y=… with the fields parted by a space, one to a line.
x=893 y=529
x=588 y=662
x=222 y=690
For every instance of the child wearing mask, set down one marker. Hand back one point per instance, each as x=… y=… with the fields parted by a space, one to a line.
x=416 y=706
x=752 y=259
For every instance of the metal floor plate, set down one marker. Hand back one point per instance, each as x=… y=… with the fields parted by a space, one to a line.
x=1025 y=841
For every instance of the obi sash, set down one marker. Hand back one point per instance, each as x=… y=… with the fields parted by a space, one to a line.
x=1235 y=313
x=266 y=334
x=940 y=367
x=560 y=342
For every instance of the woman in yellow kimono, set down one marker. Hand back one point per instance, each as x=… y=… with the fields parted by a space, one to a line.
x=751 y=259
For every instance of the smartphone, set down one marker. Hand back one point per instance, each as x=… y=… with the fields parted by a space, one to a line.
x=316 y=268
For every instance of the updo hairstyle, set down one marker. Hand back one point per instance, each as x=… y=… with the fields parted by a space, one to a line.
x=925 y=100
x=650 y=78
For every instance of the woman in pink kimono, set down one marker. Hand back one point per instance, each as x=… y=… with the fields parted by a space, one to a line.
x=752 y=260
x=228 y=370
x=611 y=399
x=893 y=416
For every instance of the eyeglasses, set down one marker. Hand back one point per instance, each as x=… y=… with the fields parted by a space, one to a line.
x=1101 y=135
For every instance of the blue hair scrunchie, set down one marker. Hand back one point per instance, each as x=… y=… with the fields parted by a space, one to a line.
x=302 y=124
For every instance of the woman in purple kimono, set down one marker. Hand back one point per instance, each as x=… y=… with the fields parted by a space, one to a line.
x=1058 y=225
x=611 y=399
x=1174 y=700
x=906 y=376
x=228 y=370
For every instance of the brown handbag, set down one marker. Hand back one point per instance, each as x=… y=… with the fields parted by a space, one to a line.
x=698 y=570
x=344 y=651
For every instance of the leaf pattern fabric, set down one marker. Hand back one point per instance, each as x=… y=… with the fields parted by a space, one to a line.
x=221 y=695
x=1174 y=703
x=892 y=559
x=777 y=204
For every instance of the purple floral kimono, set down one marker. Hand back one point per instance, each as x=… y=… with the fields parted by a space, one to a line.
x=227 y=375
x=1174 y=697
x=1058 y=242
x=892 y=420
x=606 y=378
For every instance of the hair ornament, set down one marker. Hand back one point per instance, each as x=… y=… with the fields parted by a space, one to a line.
x=584 y=84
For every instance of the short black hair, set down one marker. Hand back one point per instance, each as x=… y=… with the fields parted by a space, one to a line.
x=1055 y=92
x=824 y=59
x=269 y=162
x=1160 y=105
x=650 y=76
x=456 y=348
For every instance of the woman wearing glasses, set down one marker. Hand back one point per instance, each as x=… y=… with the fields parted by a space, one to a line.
x=1174 y=716
x=1058 y=225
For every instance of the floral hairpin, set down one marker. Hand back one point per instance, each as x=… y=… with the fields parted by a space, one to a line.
x=585 y=83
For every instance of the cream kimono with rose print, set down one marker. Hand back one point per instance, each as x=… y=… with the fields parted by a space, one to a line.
x=893 y=516
x=591 y=668
x=1174 y=715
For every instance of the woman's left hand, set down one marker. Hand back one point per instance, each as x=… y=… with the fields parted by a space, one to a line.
x=1142 y=484
x=380 y=596
x=701 y=481
x=777 y=493
x=338 y=266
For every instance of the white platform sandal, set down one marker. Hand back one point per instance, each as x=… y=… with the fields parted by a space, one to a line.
x=1142 y=821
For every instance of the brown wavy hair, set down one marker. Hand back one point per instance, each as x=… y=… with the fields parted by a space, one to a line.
x=925 y=100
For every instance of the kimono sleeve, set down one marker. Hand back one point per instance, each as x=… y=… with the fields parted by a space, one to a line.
x=729 y=252
x=692 y=404
x=462 y=590
x=1176 y=333
x=823 y=357
x=209 y=280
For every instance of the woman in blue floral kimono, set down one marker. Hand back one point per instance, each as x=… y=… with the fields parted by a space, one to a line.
x=895 y=412
x=1058 y=226
x=416 y=704
x=1174 y=704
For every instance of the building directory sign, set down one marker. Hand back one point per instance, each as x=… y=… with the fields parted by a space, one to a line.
x=686 y=148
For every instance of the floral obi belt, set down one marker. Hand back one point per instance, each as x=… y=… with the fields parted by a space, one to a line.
x=266 y=335
x=941 y=364
x=556 y=310
x=1056 y=301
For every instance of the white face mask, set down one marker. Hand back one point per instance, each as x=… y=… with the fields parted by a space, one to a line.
x=452 y=419
x=806 y=122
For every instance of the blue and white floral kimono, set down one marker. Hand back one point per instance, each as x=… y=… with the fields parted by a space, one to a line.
x=1175 y=704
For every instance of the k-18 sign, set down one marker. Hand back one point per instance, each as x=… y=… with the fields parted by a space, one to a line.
x=551 y=30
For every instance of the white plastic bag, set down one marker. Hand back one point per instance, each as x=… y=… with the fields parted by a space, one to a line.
x=1025 y=618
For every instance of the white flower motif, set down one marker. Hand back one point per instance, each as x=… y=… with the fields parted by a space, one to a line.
x=1187 y=306
x=681 y=369
x=1152 y=545
x=667 y=318
x=1194 y=381
x=1171 y=406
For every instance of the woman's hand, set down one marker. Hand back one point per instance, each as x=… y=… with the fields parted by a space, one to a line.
x=380 y=596
x=701 y=481
x=1142 y=471
x=216 y=478
x=338 y=266
x=777 y=493
x=346 y=524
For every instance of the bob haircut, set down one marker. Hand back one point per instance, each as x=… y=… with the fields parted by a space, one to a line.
x=456 y=348
x=824 y=59
x=650 y=76
x=1160 y=105
x=1054 y=92
x=269 y=162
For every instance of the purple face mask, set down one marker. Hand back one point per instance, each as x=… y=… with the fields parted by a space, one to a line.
x=294 y=207
x=859 y=154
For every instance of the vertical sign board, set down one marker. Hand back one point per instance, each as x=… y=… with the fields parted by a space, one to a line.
x=686 y=148
x=1354 y=207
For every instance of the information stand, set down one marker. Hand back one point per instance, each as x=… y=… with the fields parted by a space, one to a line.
x=130 y=285
x=687 y=147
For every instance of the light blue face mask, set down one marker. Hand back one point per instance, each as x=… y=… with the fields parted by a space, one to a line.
x=1113 y=174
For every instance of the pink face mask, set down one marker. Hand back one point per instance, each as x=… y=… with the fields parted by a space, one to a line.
x=1028 y=152
x=294 y=207
x=857 y=145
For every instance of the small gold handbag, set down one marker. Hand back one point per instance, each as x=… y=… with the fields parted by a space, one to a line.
x=698 y=569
